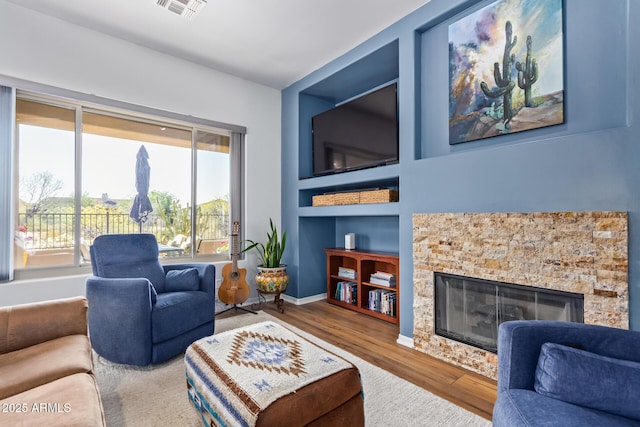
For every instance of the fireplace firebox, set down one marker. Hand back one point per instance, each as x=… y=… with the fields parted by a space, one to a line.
x=469 y=310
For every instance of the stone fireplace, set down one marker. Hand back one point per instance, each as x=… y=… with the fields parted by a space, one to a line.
x=582 y=253
x=470 y=310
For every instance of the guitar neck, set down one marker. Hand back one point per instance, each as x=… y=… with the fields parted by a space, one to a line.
x=235 y=244
x=234 y=253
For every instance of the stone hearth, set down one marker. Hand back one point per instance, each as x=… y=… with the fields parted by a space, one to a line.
x=581 y=252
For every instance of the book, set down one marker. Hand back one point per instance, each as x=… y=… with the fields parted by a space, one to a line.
x=384 y=275
x=347 y=292
x=348 y=273
x=382 y=301
x=383 y=279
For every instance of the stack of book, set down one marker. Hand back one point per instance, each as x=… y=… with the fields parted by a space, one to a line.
x=348 y=273
x=347 y=292
x=382 y=301
x=384 y=279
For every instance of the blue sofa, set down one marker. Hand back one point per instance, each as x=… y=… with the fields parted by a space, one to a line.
x=141 y=312
x=567 y=374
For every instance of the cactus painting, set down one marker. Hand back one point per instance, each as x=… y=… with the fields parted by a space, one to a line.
x=503 y=80
x=499 y=85
x=527 y=74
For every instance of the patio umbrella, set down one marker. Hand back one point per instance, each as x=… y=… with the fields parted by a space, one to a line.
x=141 y=204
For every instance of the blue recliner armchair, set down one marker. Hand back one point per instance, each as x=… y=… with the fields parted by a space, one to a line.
x=141 y=312
x=567 y=374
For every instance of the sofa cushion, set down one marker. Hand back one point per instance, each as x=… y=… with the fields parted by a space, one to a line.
x=182 y=280
x=39 y=364
x=588 y=379
x=178 y=312
x=69 y=401
x=25 y=325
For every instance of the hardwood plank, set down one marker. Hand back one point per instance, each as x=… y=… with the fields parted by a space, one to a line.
x=374 y=340
x=479 y=392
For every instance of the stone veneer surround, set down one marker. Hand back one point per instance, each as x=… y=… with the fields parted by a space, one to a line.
x=581 y=252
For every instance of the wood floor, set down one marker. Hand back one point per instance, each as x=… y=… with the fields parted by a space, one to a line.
x=375 y=341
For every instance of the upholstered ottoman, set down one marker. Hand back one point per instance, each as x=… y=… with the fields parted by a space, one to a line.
x=266 y=375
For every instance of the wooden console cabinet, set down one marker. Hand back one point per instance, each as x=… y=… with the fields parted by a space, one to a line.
x=359 y=294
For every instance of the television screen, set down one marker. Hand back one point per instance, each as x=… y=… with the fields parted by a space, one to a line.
x=358 y=134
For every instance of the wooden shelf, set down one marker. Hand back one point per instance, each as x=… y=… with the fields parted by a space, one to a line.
x=364 y=263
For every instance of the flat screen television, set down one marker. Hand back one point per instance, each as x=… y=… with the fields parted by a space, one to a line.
x=358 y=134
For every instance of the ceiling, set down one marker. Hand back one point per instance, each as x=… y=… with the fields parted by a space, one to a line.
x=271 y=42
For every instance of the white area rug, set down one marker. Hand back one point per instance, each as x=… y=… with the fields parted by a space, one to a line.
x=157 y=396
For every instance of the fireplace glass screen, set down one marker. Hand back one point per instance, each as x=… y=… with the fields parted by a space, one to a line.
x=469 y=310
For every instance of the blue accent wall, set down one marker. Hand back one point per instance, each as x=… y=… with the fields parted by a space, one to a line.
x=373 y=233
x=589 y=163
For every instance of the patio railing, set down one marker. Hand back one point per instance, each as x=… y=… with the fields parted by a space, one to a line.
x=55 y=230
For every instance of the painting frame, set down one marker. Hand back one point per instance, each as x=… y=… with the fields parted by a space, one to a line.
x=506 y=69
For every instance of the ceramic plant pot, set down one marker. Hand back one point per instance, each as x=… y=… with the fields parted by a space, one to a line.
x=272 y=279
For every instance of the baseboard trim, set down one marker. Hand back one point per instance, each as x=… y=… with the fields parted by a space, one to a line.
x=306 y=300
x=254 y=301
x=405 y=341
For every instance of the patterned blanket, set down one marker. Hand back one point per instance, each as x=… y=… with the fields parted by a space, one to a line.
x=233 y=376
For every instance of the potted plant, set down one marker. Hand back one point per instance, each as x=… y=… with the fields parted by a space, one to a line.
x=272 y=276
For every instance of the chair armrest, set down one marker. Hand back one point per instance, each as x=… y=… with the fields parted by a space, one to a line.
x=519 y=344
x=29 y=324
x=129 y=301
x=206 y=273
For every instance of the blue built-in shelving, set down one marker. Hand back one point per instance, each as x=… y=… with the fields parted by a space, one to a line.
x=374 y=70
x=319 y=227
x=588 y=163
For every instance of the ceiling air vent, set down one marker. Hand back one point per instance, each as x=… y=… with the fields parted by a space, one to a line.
x=185 y=8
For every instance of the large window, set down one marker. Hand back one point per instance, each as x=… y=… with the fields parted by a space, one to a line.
x=83 y=171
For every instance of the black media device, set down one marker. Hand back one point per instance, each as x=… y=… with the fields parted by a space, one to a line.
x=358 y=134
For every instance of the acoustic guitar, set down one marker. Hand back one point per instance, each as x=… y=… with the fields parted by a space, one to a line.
x=234 y=288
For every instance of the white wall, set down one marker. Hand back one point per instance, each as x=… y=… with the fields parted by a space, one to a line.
x=45 y=50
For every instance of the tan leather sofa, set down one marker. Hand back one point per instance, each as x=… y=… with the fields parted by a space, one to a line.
x=46 y=366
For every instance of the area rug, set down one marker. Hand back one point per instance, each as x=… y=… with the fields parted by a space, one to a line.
x=157 y=396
